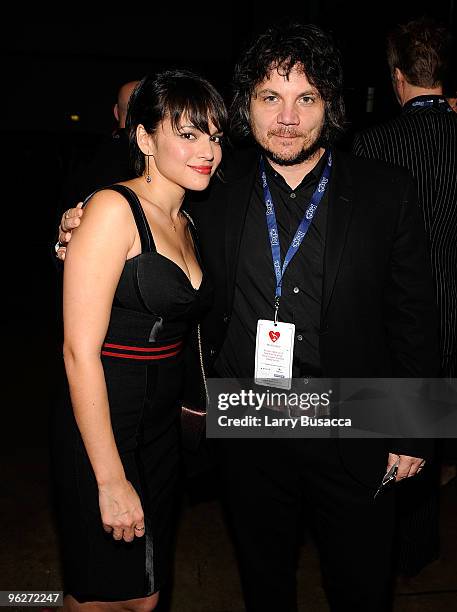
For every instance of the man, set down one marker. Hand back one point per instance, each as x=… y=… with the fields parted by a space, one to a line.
x=423 y=139
x=110 y=162
x=358 y=291
x=122 y=103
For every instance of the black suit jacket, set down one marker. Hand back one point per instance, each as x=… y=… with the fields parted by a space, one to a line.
x=378 y=315
x=424 y=140
x=109 y=164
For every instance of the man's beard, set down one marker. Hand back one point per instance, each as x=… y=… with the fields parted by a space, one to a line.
x=307 y=152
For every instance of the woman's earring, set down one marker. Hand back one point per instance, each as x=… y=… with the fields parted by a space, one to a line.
x=148 y=178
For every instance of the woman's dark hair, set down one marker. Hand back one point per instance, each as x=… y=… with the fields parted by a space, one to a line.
x=173 y=94
x=283 y=47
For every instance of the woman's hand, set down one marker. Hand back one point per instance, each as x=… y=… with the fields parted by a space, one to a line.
x=121 y=511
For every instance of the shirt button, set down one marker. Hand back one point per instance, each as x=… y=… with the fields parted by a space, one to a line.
x=293 y=195
x=296 y=290
x=299 y=337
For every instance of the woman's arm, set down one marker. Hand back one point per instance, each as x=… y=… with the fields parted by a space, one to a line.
x=95 y=259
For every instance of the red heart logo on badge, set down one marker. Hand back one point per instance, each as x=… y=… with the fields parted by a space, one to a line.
x=274 y=336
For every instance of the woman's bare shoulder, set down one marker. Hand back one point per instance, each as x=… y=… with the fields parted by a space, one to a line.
x=108 y=202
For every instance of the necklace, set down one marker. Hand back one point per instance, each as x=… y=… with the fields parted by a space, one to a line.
x=172 y=226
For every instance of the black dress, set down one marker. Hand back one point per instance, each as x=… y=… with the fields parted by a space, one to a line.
x=142 y=356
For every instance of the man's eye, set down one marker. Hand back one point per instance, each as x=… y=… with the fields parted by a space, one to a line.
x=217 y=139
x=270 y=99
x=308 y=99
x=187 y=135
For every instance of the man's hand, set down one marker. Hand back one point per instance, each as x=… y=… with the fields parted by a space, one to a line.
x=407 y=466
x=70 y=219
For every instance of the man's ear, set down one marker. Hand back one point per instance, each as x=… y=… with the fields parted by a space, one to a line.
x=116 y=112
x=398 y=82
x=399 y=77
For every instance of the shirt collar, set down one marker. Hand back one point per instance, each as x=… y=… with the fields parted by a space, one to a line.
x=420 y=102
x=309 y=179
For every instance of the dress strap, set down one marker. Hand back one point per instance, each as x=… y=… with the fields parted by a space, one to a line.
x=147 y=241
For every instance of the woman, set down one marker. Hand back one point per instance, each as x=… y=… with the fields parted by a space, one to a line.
x=133 y=284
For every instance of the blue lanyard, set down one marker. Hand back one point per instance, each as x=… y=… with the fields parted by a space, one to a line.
x=302 y=228
x=440 y=103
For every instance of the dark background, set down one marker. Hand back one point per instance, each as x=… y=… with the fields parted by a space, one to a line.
x=52 y=71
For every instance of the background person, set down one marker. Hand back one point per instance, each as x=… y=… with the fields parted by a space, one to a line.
x=423 y=139
x=110 y=162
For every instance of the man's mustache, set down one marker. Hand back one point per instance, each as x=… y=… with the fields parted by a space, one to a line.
x=286 y=133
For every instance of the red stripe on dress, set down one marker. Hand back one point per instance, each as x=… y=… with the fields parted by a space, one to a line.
x=123 y=356
x=142 y=349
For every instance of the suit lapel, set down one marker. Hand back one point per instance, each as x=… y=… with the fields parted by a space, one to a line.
x=339 y=216
x=238 y=197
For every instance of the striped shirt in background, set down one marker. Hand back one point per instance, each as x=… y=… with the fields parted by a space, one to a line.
x=423 y=139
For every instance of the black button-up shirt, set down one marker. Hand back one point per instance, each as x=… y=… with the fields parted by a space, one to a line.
x=255 y=280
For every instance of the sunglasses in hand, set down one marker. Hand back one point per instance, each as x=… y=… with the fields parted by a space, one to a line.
x=388 y=478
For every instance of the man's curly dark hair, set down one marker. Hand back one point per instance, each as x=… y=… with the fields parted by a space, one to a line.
x=283 y=47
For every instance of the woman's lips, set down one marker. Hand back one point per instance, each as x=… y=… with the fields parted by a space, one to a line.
x=202 y=169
